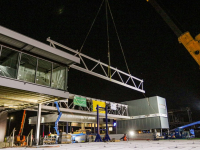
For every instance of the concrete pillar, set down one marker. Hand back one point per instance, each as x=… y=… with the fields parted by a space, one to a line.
x=49 y=128
x=3 y=125
x=82 y=126
x=37 y=134
x=155 y=131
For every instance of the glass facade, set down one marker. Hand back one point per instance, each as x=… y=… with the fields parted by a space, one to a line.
x=21 y=66
x=8 y=62
x=58 y=76
x=44 y=71
x=27 y=68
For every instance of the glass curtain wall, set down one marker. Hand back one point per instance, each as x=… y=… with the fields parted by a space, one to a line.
x=27 y=68
x=8 y=62
x=58 y=77
x=43 y=74
x=32 y=69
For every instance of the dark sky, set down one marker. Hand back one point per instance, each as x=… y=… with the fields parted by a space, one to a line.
x=150 y=46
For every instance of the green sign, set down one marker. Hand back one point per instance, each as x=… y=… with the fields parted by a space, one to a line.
x=80 y=101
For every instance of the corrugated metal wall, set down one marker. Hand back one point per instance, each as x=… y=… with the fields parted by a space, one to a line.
x=147 y=113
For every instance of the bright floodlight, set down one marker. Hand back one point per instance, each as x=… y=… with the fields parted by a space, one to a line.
x=131 y=133
x=11 y=117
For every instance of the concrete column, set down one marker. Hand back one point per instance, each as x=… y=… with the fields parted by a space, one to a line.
x=155 y=132
x=82 y=126
x=3 y=125
x=49 y=128
x=37 y=134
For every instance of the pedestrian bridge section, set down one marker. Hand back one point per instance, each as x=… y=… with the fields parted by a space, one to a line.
x=81 y=109
x=31 y=72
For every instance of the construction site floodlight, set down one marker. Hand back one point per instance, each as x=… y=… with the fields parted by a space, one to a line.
x=124 y=79
x=131 y=133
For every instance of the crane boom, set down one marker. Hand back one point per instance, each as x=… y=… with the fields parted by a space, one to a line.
x=192 y=45
x=165 y=17
x=22 y=123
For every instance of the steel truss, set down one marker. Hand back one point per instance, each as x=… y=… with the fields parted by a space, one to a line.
x=121 y=109
x=117 y=76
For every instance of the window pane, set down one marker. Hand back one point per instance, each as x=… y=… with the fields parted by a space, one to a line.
x=58 y=77
x=8 y=62
x=27 y=68
x=43 y=74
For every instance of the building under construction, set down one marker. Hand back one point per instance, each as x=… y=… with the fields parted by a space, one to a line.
x=34 y=75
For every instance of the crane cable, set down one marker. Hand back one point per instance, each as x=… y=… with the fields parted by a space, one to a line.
x=118 y=38
x=91 y=27
x=109 y=64
x=107 y=6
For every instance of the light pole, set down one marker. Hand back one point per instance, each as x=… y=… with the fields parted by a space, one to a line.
x=10 y=118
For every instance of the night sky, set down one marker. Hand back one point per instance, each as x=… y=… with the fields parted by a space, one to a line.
x=151 y=48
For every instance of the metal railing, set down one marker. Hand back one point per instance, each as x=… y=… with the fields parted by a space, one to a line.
x=31 y=138
x=13 y=138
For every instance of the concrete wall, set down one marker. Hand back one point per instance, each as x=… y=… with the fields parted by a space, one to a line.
x=3 y=125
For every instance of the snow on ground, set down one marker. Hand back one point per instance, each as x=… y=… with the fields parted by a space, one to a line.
x=123 y=145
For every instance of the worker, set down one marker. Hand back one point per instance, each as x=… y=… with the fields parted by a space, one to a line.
x=124 y=138
x=49 y=134
x=104 y=138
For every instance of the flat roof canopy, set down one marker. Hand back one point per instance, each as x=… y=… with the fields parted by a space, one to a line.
x=16 y=95
x=17 y=99
x=29 y=45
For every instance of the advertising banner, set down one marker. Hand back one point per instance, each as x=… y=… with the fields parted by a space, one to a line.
x=113 y=106
x=80 y=101
x=101 y=104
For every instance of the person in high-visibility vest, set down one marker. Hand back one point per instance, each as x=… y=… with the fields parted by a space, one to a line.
x=49 y=134
x=124 y=138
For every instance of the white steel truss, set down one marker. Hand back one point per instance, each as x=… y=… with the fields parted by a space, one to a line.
x=123 y=78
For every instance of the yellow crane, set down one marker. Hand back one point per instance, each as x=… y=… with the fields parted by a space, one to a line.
x=191 y=44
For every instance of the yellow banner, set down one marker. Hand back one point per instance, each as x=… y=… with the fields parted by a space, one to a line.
x=101 y=104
